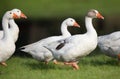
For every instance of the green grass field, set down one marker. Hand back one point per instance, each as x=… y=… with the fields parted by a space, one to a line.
x=94 y=66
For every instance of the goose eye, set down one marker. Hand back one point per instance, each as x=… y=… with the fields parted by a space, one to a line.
x=10 y=12
x=71 y=20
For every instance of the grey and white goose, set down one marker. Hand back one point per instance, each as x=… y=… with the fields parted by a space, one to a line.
x=71 y=49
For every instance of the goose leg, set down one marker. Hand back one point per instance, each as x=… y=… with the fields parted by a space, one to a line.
x=46 y=62
x=73 y=64
x=55 y=61
x=3 y=63
x=118 y=56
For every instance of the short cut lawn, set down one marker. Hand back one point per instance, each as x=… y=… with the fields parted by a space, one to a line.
x=94 y=66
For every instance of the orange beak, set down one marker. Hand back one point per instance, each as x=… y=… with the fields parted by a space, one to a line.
x=76 y=24
x=15 y=16
x=99 y=16
x=23 y=16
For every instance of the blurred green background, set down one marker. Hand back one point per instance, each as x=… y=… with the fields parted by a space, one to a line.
x=60 y=8
x=45 y=17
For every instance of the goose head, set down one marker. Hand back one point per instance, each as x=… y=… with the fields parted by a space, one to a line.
x=94 y=14
x=10 y=15
x=19 y=13
x=71 y=22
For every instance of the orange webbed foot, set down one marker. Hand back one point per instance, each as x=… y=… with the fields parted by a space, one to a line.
x=3 y=63
x=73 y=64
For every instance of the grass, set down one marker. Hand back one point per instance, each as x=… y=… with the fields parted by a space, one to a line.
x=91 y=67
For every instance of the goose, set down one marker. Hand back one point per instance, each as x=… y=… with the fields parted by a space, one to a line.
x=110 y=44
x=7 y=45
x=14 y=30
x=41 y=53
x=71 y=49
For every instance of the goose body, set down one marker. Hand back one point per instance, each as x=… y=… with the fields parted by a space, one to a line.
x=110 y=44
x=7 y=45
x=78 y=45
x=39 y=52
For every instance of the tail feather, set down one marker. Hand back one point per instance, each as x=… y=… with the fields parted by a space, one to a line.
x=26 y=48
x=22 y=49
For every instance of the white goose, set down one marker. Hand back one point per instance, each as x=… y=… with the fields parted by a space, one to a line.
x=110 y=44
x=41 y=53
x=14 y=30
x=77 y=46
x=7 y=45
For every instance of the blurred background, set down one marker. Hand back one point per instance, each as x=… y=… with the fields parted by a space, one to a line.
x=45 y=17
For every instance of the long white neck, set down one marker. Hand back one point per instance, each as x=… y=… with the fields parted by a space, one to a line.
x=13 y=26
x=64 y=30
x=89 y=26
x=14 y=30
x=6 y=33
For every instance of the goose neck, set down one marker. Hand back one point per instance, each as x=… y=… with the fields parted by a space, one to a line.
x=5 y=28
x=89 y=25
x=13 y=25
x=64 y=30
